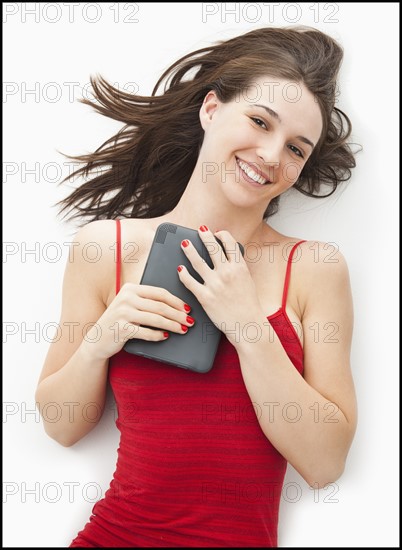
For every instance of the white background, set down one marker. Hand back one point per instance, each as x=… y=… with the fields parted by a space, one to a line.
x=42 y=507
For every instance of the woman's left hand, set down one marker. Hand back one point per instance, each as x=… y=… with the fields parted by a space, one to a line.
x=228 y=295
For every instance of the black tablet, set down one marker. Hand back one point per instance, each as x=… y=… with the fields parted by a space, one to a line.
x=196 y=349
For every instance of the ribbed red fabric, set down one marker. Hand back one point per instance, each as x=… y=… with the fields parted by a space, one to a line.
x=194 y=468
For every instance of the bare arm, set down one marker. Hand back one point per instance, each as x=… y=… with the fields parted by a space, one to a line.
x=311 y=420
x=72 y=386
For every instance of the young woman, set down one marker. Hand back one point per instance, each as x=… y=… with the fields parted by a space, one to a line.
x=202 y=458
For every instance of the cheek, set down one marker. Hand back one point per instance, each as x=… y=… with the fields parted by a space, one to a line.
x=225 y=138
x=239 y=137
x=291 y=171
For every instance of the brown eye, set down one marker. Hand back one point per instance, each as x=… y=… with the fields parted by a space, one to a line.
x=259 y=122
x=297 y=151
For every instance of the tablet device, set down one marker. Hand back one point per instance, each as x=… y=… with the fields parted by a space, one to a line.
x=196 y=349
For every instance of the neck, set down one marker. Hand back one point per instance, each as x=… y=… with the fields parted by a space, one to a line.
x=203 y=203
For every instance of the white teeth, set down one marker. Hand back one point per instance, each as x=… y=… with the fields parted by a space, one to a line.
x=251 y=174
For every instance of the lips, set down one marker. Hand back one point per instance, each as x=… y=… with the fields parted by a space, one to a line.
x=253 y=172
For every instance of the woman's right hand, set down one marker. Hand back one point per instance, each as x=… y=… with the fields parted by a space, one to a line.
x=133 y=306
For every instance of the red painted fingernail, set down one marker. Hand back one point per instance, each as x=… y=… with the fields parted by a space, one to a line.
x=186 y=307
x=166 y=334
x=184 y=328
x=190 y=320
x=179 y=268
x=203 y=228
x=185 y=243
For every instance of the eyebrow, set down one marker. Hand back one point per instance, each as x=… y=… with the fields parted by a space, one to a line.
x=275 y=115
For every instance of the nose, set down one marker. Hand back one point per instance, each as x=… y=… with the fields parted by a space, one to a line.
x=269 y=155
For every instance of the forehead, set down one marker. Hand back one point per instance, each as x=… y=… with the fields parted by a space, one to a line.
x=276 y=91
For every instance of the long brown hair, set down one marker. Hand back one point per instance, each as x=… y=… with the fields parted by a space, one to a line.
x=143 y=170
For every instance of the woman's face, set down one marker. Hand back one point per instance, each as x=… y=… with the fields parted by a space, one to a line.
x=255 y=147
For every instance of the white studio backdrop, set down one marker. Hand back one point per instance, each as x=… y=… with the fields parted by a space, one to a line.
x=50 y=52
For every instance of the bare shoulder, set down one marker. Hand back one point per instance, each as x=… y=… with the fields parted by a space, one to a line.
x=319 y=279
x=104 y=232
x=322 y=275
x=94 y=246
x=93 y=255
x=96 y=233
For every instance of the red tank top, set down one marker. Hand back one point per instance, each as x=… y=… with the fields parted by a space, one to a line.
x=194 y=468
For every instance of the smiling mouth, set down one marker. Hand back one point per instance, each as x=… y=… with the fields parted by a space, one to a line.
x=246 y=168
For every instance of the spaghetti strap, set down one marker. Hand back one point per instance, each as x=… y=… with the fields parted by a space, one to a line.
x=118 y=255
x=287 y=278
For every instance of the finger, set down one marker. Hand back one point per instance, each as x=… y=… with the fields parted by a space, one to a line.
x=189 y=282
x=230 y=245
x=164 y=310
x=162 y=295
x=142 y=333
x=214 y=249
x=151 y=320
x=198 y=263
